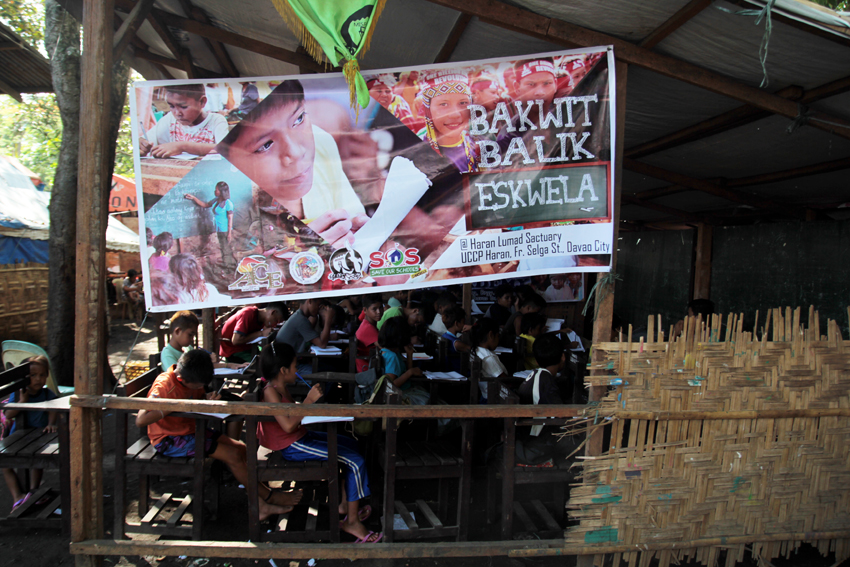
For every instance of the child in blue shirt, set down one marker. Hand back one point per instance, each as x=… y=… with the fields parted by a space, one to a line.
x=46 y=421
x=394 y=337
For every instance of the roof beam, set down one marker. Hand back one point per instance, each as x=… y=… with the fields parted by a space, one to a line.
x=678 y=213
x=735 y=118
x=218 y=50
x=148 y=55
x=676 y=21
x=761 y=179
x=709 y=187
x=9 y=46
x=223 y=36
x=567 y=34
x=129 y=27
x=12 y=92
x=453 y=38
x=793 y=173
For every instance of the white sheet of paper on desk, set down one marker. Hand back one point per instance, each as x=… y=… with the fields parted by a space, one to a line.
x=503 y=350
x=455 y=376
x=553 y=325
x=308 y=419
x=338 y=342
x=325 y=351
x=523 y=374
x=215 y=415
x=255 y=341
x=422 y=356
x=403 y=188
x=574 y=338
x=228 y=371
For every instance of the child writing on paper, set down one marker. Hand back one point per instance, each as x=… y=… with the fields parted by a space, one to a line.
x=187 y=128
x=394 y=339
x=175 y=436
x=46 y=421
x=298 y=164
x=485 y=339
x=295 y=443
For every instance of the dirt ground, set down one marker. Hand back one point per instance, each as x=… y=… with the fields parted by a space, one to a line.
x=38 y=548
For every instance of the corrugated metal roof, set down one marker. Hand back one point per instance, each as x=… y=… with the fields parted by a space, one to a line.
x=22 y=68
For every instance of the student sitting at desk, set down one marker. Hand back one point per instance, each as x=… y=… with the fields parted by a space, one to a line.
x=175 y=436
x=34 y=392
x=249 y=324
x=367 y=333
x=533 y=325
x=536 y=445
x=394 y=339
x=485 y=339
x=295 y=443
x=299 y=333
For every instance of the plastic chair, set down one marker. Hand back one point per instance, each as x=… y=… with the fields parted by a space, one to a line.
x=15 y=352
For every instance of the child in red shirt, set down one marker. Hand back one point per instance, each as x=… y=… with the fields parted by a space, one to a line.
x=367 y=334
x=175 y=436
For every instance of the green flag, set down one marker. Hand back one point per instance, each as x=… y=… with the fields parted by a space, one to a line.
x=335 y=32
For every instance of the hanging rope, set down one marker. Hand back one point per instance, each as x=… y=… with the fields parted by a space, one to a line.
x=762 y=14
x=607 y=283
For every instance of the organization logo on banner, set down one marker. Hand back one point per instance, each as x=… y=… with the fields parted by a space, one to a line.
x=397 y=261
x=306 y=268
x=346 y=264
x=255 y=273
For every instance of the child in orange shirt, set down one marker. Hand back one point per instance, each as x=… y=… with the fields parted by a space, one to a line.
x=175 y=436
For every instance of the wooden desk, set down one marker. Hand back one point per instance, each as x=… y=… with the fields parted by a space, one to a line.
x=32 y=448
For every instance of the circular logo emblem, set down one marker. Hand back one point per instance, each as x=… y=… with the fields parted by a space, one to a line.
x=346 y=264
x=395 y=257
x=306 y=268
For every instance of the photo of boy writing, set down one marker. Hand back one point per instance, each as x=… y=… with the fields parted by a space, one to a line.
x=187 y=128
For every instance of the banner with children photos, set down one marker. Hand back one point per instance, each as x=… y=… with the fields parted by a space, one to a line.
x=254 y=190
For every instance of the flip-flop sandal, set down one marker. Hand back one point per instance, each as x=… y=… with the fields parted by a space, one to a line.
x=22 y=501
x=371 y=537
x=43 y=500
x=363 y=514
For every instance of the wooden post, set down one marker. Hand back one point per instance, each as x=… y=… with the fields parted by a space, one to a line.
x=605 y=297
x=208 y=321
x=467 y=302
x=86 y=446
x=702 y=262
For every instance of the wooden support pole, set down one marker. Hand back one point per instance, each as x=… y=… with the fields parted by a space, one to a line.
x=93 y=181
x=467 y=301
x=702 y=262
x=208 y=321
x=605 y=295
x=11 y=91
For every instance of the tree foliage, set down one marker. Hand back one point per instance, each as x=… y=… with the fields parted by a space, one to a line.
x=26 y=17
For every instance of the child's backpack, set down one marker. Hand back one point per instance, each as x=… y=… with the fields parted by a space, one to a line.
x=368 y=386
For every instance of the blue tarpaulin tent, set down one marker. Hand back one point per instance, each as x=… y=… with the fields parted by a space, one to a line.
x=25 y=221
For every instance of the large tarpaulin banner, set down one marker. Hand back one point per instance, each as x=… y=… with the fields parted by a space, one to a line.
x=255 y=190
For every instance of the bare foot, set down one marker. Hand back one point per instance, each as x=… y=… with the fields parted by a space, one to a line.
x=267 y=510
x=355 y=528
x=286 y=498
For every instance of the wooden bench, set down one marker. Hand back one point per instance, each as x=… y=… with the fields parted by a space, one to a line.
x=33 y=449
x=421 y=461
x=141 y=458
x=265 y=465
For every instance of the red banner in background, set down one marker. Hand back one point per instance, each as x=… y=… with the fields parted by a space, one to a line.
x=122 y=196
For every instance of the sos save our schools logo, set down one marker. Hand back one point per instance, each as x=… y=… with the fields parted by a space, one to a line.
x=395 y=262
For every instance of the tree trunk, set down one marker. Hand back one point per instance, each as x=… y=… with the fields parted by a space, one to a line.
x=62 y=38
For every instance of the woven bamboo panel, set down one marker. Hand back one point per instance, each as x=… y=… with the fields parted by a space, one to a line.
x=696 y=477
x=23 y=302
